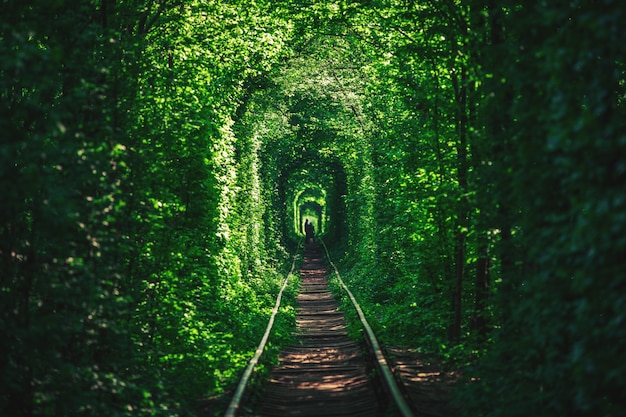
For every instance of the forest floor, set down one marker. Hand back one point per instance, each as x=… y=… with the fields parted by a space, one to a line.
x=427 y=385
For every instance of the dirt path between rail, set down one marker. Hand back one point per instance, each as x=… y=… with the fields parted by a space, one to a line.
x=324 y=372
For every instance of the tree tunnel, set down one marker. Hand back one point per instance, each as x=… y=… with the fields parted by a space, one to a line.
x=314 y=190
x=159 y=158
x=310 y=205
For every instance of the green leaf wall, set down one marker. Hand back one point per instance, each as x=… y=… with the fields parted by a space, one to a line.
x=466 y=158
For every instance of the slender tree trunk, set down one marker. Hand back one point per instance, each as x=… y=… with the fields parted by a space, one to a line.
x=480 y=146
x=461 y=226
x=498 y=130
x=481 y=284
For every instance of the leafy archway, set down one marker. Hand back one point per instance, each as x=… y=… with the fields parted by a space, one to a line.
x=157 y=156
x=313 y=189
x=310 y=204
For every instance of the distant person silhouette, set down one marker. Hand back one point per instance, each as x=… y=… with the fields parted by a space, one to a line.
x=309 y=229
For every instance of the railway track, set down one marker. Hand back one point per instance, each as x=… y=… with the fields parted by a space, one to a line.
x=326 y=373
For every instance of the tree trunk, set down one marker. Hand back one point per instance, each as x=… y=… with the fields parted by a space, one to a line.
x=460 y=89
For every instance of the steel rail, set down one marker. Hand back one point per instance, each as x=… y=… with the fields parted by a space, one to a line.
x=231 y=411
x=381 y=362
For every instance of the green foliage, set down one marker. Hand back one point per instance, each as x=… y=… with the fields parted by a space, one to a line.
x=562 y=322
x=135 y=278
x=464 y=158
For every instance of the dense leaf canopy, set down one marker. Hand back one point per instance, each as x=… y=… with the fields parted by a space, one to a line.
x=158 y=158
